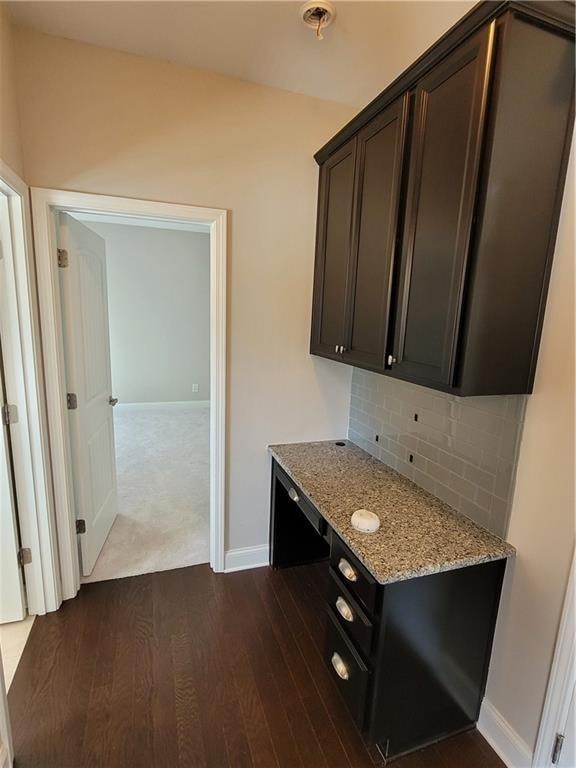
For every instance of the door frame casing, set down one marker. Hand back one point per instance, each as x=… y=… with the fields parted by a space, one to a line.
x=44 y=203
x=25 y=388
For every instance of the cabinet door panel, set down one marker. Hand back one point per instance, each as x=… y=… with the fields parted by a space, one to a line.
x=446 y=145
x=333 y=250
x=380 y=156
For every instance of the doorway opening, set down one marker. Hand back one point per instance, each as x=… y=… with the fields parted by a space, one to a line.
x=125 y=287
x=136 y=329
x=15 y=624
x=28 y=583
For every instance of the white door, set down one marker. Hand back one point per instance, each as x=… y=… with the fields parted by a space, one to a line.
x=12 y=603
x=83 y=291
x=12 y=600
x=567 y=757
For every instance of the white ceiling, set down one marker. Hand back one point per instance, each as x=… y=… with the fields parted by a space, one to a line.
x=368 y=45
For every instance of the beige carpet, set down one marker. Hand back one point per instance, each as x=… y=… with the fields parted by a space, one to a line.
x=162 y=457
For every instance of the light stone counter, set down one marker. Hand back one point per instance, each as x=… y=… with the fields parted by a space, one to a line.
x=418 y=535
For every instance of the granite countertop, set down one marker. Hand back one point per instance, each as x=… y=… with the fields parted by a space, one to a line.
x=418 y=535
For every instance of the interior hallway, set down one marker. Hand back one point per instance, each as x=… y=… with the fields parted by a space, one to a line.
x=162 y=460
x=193 y=669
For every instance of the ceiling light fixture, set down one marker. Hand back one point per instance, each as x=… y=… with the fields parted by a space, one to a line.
x=318 y=14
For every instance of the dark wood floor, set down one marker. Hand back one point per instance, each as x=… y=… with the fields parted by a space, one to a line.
x=189 y=668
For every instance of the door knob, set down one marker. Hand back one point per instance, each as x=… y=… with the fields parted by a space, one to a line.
x=112 y=401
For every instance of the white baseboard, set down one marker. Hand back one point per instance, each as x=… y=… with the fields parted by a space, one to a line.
x=246 y=557
x=508 y=745
x=169 y=404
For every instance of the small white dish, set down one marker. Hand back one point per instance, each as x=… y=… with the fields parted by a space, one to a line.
x=365 y=521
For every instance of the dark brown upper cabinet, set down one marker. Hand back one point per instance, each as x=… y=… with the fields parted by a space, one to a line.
x=445 y=157
x=357 y=231
x=436 y=234
x=334 y=233
x=380 y=152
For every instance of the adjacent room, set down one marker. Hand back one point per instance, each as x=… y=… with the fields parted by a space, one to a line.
x=158 y=291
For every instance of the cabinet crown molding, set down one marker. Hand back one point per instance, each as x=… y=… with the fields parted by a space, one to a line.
x=558 y=15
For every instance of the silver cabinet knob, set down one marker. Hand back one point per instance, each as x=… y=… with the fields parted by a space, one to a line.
x=344 y=609
x=337 y=349
x=346 y=570
x=293 y=495
x=113 y=401
x=391 y=360
x=339 y=666
x=342 y=350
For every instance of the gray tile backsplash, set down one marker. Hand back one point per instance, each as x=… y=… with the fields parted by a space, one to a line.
x=462 y=450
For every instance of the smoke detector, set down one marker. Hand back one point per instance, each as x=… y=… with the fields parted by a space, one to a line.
x=318 y=14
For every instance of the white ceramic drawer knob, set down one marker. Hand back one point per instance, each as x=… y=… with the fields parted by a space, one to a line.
x=293 y=495
x=346 y=570
x=339 y=666
x=344 y=609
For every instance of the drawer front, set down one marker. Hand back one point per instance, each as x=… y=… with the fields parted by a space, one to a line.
x=353 y=575
x=350 y=616
x=310 y=512
x=348 y=669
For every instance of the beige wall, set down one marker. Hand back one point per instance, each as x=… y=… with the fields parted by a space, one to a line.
x=100 y=121
x=10 y=149
x=542 y=522
x=159 y=310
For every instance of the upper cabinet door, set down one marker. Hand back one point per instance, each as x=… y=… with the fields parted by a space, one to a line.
x=379 y=173
x=333 y=249
x=445 y=155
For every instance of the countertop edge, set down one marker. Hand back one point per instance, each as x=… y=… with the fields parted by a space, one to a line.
x=507 y=549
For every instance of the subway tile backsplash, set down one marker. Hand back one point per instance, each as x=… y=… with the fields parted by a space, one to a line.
x=462 y=450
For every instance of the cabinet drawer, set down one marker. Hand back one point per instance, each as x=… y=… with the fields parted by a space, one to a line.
x=296 y=495
x=348 y=670
x=349 y=615
x=353 y=575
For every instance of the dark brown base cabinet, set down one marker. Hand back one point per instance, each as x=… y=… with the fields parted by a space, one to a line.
x=439 y=203
x=410 y=658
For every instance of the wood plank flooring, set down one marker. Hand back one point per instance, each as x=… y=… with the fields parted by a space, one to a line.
x=192 y=669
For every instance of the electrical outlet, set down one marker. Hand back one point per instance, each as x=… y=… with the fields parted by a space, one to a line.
x=195 y=388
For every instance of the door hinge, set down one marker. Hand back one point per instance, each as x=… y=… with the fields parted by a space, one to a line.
x=80 y=526
x=72 y=401
x=24 y=556
x=557 y=748
x=9 y=414
x=62 y=257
